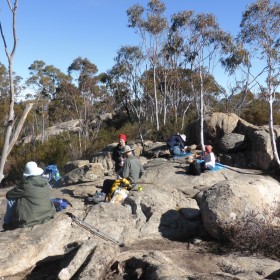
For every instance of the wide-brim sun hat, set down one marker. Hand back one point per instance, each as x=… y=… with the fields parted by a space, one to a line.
x=183 y=136
x=127 y=149
x=31 y=169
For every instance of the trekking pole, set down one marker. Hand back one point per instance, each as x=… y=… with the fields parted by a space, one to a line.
x=94 y=230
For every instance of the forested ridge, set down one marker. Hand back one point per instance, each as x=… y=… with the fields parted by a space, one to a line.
x=155 y=88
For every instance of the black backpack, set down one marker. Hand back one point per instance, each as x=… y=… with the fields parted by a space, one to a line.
x=194 y=168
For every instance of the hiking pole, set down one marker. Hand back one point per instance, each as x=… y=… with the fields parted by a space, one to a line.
x=94 y=230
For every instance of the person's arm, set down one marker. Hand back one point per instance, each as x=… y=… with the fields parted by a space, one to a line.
x=125 y=170
x=180 y=142
x=15 y=193
x=141 y=171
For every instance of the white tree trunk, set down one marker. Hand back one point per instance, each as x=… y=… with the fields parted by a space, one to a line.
x=201 y=111
x=10 y=138
x=156 y=100
x=271 y=131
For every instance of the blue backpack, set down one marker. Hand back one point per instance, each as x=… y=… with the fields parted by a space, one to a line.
x=53 y=173
x=59 y=204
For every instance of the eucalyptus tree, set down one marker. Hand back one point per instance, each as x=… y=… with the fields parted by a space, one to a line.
x=260 y=29
x=43 y=81
x=45 y=78
x=13 y=127
x=152 y=28
x=177 y=79
x=5 y=97
x=126 y=82
x=93 y=100
x=85 y=74
x=203 y=43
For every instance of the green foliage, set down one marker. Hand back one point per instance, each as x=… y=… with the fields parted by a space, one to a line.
x=56 y=150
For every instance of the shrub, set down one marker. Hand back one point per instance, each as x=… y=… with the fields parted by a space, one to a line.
x=253 y=234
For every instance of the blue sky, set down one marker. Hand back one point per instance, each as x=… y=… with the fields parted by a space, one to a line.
x=58 y=31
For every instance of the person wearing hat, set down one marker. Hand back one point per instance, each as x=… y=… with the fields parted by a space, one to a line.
x=117 y=155
x=176 y=144
x=29 y=203
x=132 y=169
x=208 y=158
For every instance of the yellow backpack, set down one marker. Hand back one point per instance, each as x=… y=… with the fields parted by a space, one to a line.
x=119 y=183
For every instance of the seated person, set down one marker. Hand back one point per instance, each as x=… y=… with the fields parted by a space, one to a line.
x=117 y=154
x=132 y=171
x=176 y=144
x=29 y=203
x=208 y=158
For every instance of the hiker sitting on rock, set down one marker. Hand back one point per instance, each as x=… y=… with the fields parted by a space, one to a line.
x=29 y=203
x=176 y=144
x=117 y=155
x=131 y=171
x=208 y=158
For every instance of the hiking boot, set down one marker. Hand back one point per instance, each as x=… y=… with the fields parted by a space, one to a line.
x=7 y=227
x=98 y=197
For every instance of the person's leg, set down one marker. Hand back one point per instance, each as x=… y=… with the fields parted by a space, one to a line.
x=107 y=185
x=9 y=211
x=202 y=166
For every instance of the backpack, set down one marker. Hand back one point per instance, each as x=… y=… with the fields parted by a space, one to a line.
x=194 y=168
x=119 y=183
x=53 y=173
x=59 y=204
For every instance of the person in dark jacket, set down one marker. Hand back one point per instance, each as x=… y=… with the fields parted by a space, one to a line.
x=117 y=154
x=29 y=203
x=176 y=144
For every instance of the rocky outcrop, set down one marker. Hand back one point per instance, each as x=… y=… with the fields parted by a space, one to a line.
x=238 y=142
x=164 y=230
x=69 y=126
x=74 y=126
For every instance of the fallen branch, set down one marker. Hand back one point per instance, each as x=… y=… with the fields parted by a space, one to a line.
x=94 y=230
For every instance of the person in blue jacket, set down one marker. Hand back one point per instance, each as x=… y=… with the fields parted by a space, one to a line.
x=176 y=144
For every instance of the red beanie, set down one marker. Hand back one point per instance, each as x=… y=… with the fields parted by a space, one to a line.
x=123 y=137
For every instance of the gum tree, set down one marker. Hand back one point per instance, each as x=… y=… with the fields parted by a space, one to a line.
x=260 y=29
x=13 y=128
x=204 y=41
x=125 y=79
x=151 y=28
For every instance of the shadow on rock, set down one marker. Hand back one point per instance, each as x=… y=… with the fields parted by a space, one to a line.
x=175 y=226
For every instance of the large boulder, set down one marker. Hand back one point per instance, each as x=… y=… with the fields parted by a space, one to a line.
x=230 y=201
x=216 y=125
x=231 y=142
x=87 y=173
x=155 y=149
x=69 y=166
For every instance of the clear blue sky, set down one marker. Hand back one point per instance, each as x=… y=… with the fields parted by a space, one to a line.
x=58 y=31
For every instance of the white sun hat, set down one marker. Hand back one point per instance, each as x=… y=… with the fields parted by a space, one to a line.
x=183 y=136
x=31 y=169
